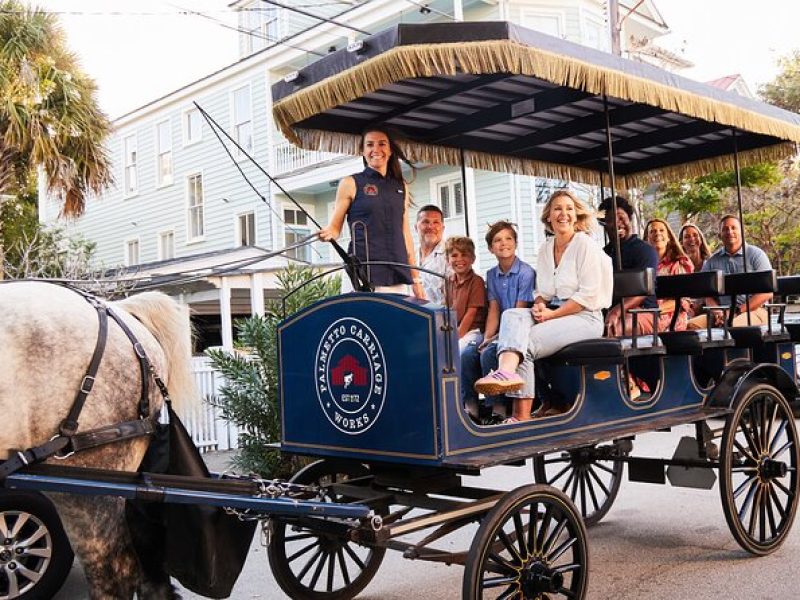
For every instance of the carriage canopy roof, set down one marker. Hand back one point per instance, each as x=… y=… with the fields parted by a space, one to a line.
x=521 y=101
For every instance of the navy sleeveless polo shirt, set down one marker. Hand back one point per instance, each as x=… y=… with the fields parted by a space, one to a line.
x=378 y=208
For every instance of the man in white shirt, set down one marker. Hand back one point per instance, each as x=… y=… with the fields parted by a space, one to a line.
x=430 y=228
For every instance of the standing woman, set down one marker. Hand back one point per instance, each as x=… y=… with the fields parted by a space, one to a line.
x=573 y=285
x=375 y=202
x=694 y=244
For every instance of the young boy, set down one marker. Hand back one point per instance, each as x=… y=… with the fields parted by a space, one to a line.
x=466 y=290
x=510 y=284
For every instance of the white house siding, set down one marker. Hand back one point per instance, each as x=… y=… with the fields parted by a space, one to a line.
x=113 y=218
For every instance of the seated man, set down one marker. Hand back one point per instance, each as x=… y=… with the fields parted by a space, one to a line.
x=730 y=259
x=635 y=253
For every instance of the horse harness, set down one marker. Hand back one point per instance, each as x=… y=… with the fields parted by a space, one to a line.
x=68 y=440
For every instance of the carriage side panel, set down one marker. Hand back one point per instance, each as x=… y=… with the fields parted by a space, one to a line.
x=359 y=379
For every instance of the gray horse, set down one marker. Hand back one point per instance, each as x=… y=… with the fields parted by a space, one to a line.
x=47 y=336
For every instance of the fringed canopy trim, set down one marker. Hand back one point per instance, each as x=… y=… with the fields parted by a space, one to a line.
x=476 y=58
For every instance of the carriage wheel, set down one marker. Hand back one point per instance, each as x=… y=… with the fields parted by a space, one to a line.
x=587 y=475
x=35 y=554
x=530 y=546
x=313 y=565
x=758 y=469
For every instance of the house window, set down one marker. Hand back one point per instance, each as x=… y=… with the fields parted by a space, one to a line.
x=164 y=160
x=549 y=23
x=242 y=118
x=192 y=126
x=166 y=245
x=295 y=230
x=246 y=229
x=194 y=192
x=451 y=198
x=132 y=252
x=259 y=25
x=595 y=33
x=131 y=179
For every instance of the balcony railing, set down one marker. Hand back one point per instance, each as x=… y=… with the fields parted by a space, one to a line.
x=289 y=158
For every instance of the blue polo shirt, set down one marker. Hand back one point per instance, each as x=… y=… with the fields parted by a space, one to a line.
x=515 y=285
x=721 y=260
x=636 y=254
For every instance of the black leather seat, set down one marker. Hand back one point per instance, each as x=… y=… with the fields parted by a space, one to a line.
x=692 y=285
x=633 y=282
x=756 y=282
x=790 y=286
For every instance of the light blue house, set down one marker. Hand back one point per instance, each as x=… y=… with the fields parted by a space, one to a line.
x=181 y=206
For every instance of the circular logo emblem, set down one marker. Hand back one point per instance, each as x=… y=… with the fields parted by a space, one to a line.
x=350 y=376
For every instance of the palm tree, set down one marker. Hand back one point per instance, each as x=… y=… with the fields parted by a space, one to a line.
x=49 y=117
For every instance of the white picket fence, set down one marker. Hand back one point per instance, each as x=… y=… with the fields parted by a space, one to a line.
x=203 y=421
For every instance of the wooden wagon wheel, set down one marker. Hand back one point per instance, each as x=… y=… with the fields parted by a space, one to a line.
x=530 y=546
x=589 y=476
x=316 y=565
x=758 y=469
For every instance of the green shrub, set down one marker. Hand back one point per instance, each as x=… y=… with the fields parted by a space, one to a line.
x=249 y=397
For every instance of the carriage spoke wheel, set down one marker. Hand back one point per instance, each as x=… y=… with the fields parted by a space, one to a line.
x=589 y=476
x=758 y=469
x=316 y=565
x=530 y=546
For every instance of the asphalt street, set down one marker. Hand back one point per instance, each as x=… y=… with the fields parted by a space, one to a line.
x=657 y=542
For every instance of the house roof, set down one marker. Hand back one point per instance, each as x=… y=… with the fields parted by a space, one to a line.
x=506 y=98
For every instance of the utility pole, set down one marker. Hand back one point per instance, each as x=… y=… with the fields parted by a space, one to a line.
x=615 y=26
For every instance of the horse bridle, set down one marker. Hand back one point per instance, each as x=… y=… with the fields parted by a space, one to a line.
x=68 y=440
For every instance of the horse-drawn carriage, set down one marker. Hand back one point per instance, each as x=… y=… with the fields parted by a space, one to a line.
x=369 y=383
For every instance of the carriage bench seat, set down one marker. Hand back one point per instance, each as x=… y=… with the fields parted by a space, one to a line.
x=692 y=285
x=790 y=286
x=607 y=351
x=756 y=282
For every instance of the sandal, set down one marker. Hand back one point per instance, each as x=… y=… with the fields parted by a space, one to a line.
x=499 y=382
x=510 y=421
x=546 y=410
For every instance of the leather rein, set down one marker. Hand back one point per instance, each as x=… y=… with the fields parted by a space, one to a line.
x=68 y=440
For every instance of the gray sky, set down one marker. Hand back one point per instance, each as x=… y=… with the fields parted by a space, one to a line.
x=137 y=58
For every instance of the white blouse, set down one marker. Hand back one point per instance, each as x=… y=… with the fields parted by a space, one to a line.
x=585 y=273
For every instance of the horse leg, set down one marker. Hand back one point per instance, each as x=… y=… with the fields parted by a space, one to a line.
x=96 y=528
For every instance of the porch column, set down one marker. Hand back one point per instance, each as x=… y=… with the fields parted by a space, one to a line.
x=257 y=294
x=225 y=313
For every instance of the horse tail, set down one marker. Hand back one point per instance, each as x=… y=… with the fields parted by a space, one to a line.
x=169 y=323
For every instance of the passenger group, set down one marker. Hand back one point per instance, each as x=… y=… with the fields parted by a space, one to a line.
x=519 y=314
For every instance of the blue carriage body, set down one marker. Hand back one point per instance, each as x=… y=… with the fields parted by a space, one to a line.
x=370 y=377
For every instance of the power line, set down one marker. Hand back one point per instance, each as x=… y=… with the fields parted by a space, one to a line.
x=313 y=16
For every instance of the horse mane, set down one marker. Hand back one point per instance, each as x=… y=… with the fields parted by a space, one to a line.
x=169 y=323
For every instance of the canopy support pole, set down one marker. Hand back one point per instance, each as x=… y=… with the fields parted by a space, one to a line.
x=738 y=174
x=464 y=193
x=612 y=182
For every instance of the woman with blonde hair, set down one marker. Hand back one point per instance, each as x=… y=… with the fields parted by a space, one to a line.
x=694 y=244
x=574 y=281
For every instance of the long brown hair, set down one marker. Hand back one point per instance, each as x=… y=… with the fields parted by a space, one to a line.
x=674 y=249
x=393 y=166
x=705 y=250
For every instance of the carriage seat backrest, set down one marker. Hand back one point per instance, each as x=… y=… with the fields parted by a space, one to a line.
x=789 y=285
x=754 y=282
x=690 y=285
x=634 y=282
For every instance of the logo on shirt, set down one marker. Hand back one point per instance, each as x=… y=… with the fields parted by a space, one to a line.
x=350 y=376
x=371 y=189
